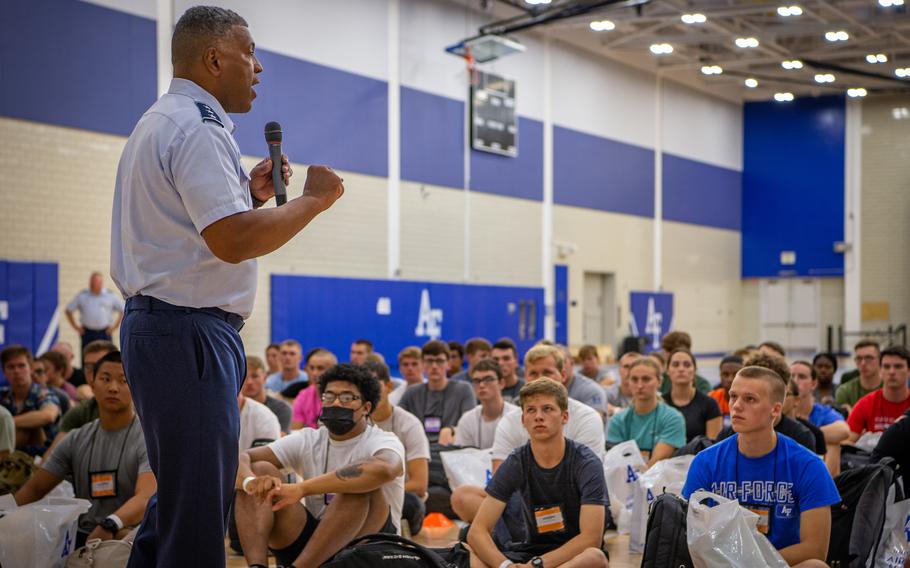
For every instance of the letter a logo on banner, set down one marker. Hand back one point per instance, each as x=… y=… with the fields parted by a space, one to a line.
x=429 y=319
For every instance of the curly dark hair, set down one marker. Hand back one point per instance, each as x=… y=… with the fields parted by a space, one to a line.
x=357 y=375
x=774 y=362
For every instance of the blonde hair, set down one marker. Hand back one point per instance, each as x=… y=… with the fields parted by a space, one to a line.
x=647 y=362
x=547 y=387
x=539 y=352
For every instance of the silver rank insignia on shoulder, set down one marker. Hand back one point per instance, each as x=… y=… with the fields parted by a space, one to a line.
x=209 y=114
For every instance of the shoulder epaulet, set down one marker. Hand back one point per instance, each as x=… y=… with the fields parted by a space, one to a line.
x=209 y=114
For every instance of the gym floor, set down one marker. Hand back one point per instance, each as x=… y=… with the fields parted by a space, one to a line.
x=618 y=545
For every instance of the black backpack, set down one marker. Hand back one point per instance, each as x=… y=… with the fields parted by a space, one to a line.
x=697 y=444
x=864 y=493
x=389 y=550
x=665 y=541
x=852 y=457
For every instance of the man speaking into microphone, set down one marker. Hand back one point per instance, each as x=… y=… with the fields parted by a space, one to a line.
x=186 y=231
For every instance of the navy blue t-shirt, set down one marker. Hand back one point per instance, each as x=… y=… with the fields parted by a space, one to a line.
x=779 y=485
x=551 y=499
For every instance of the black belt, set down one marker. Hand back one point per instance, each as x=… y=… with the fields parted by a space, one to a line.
x=151 y=304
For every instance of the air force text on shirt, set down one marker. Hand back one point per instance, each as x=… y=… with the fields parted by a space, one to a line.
x=757 y=492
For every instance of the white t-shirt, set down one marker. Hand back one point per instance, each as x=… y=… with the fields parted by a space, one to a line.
x=473 y=430
x=409 y=431
x=584 y=426
x=304 y=451
x=257 y=422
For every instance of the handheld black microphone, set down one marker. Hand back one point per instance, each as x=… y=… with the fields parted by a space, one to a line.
x=273 y=139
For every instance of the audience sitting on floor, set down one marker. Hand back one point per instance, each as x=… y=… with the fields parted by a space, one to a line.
x=772 y=348
x=580 y=387
x=254 y=389
x=105 y=461
x=560 y=486
x=505 y=353
x=831 y=423
x=360 y=350
x=439 y=402
x=477 y=427
x=475 y=349
x=656 y=427
x=456 y=358
x=35 y=410
x=53 y=365
x=410 y=432
x=702 y=414
x=353 y=479
x=307 y=403
x=768 y=473
x=866 y=355
x=411 y=369
x=825 y=365
x=290 y=356
x=878 y=410
x=619 y=394
x=589 y=361
x=273 y=358
x=729 y=366
x=71 y=374
x=670 y=343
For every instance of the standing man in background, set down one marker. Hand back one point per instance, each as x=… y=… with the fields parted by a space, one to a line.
x=187 y=228
x=97 y=307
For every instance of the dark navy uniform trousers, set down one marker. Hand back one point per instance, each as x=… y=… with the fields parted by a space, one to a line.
x=185 y=367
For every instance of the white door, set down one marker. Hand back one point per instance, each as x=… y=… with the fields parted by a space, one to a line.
x=790 y=312
x=598 y=309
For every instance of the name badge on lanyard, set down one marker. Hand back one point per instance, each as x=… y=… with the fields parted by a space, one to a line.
x=327 y=498
x=103 y=484
x=432 y=424
x=764 y=525
x=549 y=519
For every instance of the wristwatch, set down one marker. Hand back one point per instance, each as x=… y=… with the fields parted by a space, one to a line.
x=110 y=525
x=537 y=562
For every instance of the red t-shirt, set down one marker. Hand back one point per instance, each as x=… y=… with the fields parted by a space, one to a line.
x=874 y=413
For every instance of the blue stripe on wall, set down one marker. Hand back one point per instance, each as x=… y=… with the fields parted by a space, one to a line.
x=599 y=173
x=76 y=64
x=520 y=177
x=328 y=116
x=701 y=194
x=432 y=139
x=793 y=186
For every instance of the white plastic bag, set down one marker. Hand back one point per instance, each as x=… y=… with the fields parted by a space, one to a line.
x=467 y=466
x=41 y=534
x=725 y=536
x=868 y=441
x=895 y=537
x=665 y=476
x=621 y=466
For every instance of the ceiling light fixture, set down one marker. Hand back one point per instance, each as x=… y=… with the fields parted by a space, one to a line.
x=661 y=48
x=787 y=11
x=890 y=3
x=857 y=93
x=792 y=64
x=746 y=42
x=783 y=97
x=839 y=35
x=876 y=58
x=537 y=2
x=693 y=18
x=603 y=26
x=824 y=78
x=712 y=69
x=902 y=72
x=751 y=82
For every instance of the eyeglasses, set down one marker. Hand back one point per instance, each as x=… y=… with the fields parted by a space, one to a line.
x=864 y=358
x=344 y=398
x=442 y=361
x=484 y=380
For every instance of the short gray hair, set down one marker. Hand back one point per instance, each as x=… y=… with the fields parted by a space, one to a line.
x=198 y=27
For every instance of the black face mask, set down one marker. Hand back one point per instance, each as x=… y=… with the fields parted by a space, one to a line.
x=338 y=419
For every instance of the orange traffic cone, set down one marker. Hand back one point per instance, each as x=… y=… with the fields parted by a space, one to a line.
x=437 y=521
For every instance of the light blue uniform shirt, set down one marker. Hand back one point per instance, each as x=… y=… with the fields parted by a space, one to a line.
x=276 y=383
x=96 y=311
x=180 y=172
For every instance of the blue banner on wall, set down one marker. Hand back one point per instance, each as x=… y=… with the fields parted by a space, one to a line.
x=333 y=312
x=651 y=317
x=28 y=304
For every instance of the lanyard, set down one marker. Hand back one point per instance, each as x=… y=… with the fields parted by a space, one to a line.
x=445 y=393
x=91 y=451
x=773 y=501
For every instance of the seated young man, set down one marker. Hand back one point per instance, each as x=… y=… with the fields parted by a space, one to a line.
x=562 y=491
x=35 y=410
x=768 y=473
x=830 y=422
x=729 y=366
x=410 y=432
x=882 y=408
x=657 y=428
x=105 y=460
x=353 y=480
x=477 y=427
x=584 y=426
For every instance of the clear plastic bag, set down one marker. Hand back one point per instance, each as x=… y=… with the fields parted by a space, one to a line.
x=621 y=466
x=467 y=466
x=725 y=536
x=40 y=535
x=895 y=546
x=868 y=441
x=665 y=476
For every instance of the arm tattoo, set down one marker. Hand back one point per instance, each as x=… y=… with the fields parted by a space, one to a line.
x=350 y=471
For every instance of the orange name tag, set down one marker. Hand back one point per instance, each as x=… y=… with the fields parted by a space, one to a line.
x=549 y=520
x=104 y=484
x=763 y=517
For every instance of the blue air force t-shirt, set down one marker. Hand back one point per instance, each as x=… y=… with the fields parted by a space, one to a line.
x=779 y=485
x=823 y=415
x=551 y=499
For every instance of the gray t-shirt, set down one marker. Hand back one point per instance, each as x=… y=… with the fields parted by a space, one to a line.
x=282 y=411
x=410 y=431
x=7 y=431
x=588 y=392
x=92 y=448
x=438 y=409
x=615 y=396
x=475 y=431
